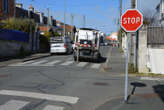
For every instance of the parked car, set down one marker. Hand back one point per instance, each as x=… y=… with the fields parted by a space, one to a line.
x=60 y=45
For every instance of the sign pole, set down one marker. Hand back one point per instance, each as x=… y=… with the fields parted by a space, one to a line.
x=126 y=69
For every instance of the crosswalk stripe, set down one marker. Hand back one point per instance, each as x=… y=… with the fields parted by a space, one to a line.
x=82 y=64
x=96 y=66
x=53 y=62
x=22 y=63
x=67 y=63
x=68 y=59
x=50 y=97
x=38 y=62
x=53 y=107
x=13 y=105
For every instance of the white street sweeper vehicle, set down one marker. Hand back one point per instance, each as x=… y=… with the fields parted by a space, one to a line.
x=87 y=44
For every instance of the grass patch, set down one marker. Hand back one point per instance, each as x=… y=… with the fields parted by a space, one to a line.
x=133 y=71
x=149 y=75
x=146 y=74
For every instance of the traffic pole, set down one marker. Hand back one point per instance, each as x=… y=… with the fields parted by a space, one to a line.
x=126 y=69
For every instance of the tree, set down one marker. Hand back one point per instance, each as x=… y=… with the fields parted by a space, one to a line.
x=24 y=25
x=149 y=17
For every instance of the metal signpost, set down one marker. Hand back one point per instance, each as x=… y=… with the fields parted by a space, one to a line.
x=131 y=21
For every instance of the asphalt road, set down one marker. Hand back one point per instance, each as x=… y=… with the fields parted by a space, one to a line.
x=58 y=83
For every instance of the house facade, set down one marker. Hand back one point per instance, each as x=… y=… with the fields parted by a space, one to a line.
x=6 y=8
x=160 y=12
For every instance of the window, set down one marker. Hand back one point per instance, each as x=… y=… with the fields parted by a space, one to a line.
x=6 y=6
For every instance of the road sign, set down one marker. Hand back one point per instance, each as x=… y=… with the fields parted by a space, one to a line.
x=131 y=20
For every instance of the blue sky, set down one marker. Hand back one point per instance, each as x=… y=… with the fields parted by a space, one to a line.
x=100 y=14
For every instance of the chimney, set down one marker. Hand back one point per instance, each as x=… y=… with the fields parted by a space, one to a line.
x=31 y=8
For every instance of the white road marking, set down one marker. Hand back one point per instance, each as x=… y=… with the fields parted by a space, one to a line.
x=82 y=64
x=22 y=63
x=51 y=97
x=67 y=63
x=53 y=107
x=53 y=62
x=13 y=105
x=96 y=66
x=38 y=62
x=69 y=59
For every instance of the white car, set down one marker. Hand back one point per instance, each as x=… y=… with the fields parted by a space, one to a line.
x=60 y=45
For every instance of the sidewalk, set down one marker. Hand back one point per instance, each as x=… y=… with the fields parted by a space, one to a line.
x=148 y=95
x=116 y=64
x=31 y=57
x=136 y=102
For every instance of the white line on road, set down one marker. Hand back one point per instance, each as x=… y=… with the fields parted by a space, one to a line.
x=67 y=63
x=67 y=99
x=13 y=105
x=96 y=66
x=53 y=107
x=22 y=63
x=38 y=62
x=69 y=59
x=53 y=62
x=82 y=64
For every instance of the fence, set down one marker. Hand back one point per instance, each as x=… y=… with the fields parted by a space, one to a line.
x=155 y=35
x=13 y=35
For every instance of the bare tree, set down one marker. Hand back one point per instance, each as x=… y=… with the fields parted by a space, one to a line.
x=149 y=17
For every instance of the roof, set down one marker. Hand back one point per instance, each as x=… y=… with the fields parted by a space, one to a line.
x=87 y=29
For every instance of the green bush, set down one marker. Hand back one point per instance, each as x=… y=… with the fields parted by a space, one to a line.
x=56 y=34
x=24 y=25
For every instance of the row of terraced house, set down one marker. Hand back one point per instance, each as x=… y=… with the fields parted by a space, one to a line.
x=9 y=9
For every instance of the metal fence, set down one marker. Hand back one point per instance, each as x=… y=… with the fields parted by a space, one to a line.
x=155 y=35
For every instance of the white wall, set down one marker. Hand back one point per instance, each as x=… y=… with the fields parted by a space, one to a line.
x=142 y=51
x=156 y=60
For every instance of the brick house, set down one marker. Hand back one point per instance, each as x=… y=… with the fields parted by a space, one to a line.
x=6 y=8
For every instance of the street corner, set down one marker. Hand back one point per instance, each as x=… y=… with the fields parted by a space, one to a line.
x=115 y=103
x=147 y=101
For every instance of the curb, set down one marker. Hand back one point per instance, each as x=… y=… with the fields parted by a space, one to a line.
x=35 y=58
x=4 y=64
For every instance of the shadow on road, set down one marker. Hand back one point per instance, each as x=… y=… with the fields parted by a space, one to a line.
x=100 y=60
x=159 y=89
x=135 y=85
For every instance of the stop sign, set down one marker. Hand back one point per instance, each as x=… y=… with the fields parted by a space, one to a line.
x=131 y=20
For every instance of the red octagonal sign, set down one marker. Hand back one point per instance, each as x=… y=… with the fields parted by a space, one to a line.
x=131 y=20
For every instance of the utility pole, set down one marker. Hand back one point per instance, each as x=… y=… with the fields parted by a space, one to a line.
x=84 y=21
x=120 y=9
x=48 y=20
x=64 y=17
x=72 y=19
x=134 y=40
x=120 y=24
